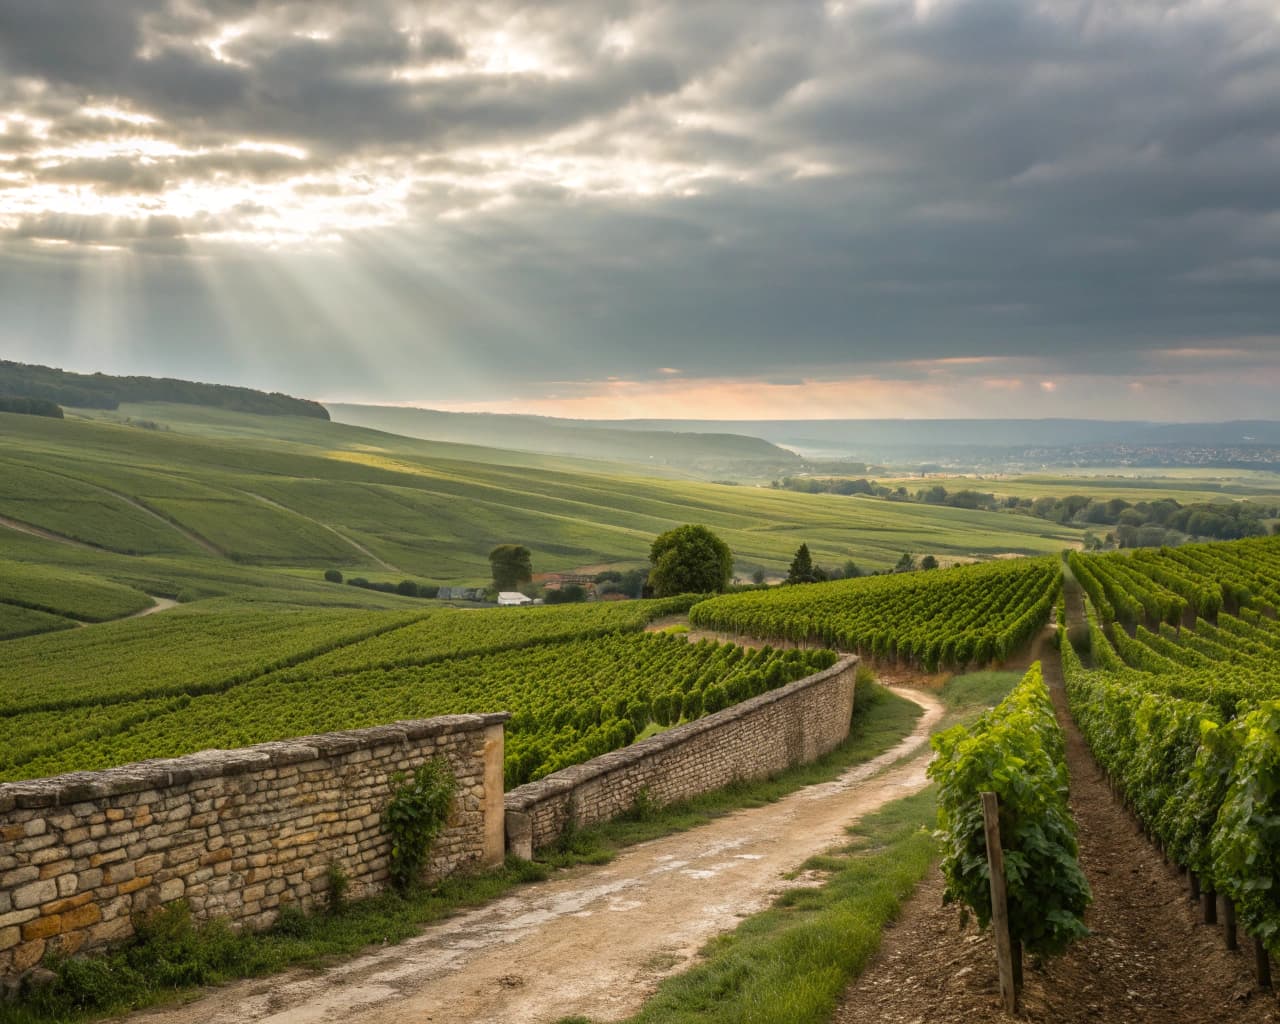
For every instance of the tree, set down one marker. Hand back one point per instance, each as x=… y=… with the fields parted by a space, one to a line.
x=633 y=582
x=906 y=563
x=689 y=560
x=758 y=577
x=928 y=562
x=802 y=568
x=512 y=565
x=569 y=594
x=333 y=575
x=851 y=570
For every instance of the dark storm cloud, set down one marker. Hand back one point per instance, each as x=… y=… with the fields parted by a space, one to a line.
x=712 y=186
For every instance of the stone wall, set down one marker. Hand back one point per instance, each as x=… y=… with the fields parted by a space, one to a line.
x=237 y=833
x=792 y=725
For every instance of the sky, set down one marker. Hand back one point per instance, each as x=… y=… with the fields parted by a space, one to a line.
x=616 y=208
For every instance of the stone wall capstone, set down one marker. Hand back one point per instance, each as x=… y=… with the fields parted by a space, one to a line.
x=236 y=833
x=794 y=724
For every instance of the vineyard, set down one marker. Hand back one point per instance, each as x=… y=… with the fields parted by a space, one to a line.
x=944 y=618
x=579 y=681
x=16 y=621
x=1176 y=690
x=1015 y=751
x=67 y=594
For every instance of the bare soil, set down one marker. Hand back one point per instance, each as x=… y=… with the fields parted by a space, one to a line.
x=162 y=604
x=1147 y=961
x=591 y=941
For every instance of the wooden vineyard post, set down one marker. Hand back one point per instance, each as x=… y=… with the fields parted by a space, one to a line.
x=999 y=902
x=1261 y=963
x=1229 y=922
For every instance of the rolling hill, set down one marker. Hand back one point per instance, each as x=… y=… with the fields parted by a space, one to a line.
x=206 y=503
x=689 y=450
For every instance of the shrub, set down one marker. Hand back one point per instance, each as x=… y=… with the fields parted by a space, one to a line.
x=414 y=816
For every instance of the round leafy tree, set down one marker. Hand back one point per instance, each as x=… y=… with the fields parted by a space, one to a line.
x=512 y=566
x=689 y=560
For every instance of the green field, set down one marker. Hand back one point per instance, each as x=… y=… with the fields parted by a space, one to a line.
x=16 y=621
x=1187 y=486
x=206 y=502
x=73 y=595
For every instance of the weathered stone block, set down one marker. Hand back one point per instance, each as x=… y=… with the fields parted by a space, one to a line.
x=172 y=890
x=27 y=955
x=134 y=884
x=34 y=893
x=16 y=917
x=42 y=927
x=83 y=917
x=110 y=930
x=35 y=843
x=114 y=856
x=70 y=903
x=16 y=877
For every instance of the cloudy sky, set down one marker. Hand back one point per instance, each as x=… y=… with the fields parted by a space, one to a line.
x=652 y=208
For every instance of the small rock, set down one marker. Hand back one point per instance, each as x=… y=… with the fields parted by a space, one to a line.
x=39 y=977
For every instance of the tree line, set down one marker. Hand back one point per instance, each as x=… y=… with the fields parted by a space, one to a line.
x=102 y=391
x=1164 y=521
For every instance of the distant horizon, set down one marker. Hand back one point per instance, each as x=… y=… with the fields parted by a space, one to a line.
x=538 y=407
x=327 y=403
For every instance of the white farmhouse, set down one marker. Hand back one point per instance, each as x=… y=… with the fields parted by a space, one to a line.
x=513 y=597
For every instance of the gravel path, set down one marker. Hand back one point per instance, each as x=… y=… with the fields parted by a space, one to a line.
x=591 y=941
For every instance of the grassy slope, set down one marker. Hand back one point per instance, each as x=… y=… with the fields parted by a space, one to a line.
x=238 y=504
x=704 y=454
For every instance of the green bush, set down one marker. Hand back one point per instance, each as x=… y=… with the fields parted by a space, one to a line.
x=415 y=816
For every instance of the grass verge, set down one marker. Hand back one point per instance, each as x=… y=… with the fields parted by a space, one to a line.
x=969 y=695
x=175 y=956
x=791 y=962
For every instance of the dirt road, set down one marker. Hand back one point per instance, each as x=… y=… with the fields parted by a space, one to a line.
x=592 y=941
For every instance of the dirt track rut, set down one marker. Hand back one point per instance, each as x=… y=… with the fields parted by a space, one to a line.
x=592 y=941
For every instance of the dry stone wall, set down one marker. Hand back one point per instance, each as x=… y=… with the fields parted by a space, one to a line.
x=236 y=833
x=794 y=724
